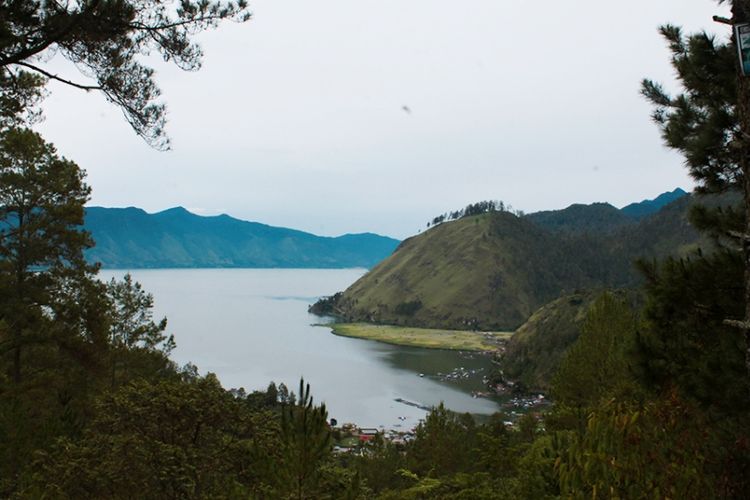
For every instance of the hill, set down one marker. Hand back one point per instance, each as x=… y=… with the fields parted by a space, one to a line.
x=534 y=352
x=176 y=238
x=488 y=271
x=492 y=271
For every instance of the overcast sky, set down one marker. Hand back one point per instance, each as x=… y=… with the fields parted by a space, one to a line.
x=297 y=117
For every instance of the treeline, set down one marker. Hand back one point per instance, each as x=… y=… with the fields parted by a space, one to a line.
x=481 y=207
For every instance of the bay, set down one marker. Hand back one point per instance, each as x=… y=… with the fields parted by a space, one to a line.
x=251 y=327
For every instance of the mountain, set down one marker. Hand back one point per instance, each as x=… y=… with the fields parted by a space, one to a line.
x=176 y=238
x=602 y=217
x=578 y=218
x=492 y=271
x=648 y=207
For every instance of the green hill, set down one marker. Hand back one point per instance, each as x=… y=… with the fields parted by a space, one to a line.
x=492 y=271
x=533 y=353
x=489 y=271
x=175 y=238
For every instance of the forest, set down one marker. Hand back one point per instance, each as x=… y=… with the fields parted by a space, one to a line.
x=652 y=400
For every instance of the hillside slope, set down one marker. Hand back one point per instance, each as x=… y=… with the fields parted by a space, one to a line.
x=535 y=351
x=489 y=271
x=176 y=238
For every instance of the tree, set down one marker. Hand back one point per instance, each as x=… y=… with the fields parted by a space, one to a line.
x=306 y=442
x=159 y=439
x=105 y=40
x=685 y=342
x=442 y=444
x=132 y=325
x=709 y=123
x=41 y=243
x=54 y=321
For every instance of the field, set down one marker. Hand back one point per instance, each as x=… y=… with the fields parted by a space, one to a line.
x=423 y=337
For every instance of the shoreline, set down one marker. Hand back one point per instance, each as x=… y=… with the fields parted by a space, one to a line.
x=428 y=338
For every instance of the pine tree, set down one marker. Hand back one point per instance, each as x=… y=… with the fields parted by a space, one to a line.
x=709 y=123
x=41 y=244
x=306 y=442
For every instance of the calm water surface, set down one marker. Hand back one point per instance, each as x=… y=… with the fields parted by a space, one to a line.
x=251 y=326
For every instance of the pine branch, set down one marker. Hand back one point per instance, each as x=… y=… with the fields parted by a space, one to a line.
x=59 y=79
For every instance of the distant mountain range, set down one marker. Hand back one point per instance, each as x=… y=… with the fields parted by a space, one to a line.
x=648 y=207
x=130 y=238
x=492 y=271
x=175 y=238
x=602 y=217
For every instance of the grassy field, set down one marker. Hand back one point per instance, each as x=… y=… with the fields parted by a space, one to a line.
x=422 y=337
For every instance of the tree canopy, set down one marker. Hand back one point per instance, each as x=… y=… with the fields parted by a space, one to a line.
x=107 y=40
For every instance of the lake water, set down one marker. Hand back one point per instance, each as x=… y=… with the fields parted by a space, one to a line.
x=251 y=326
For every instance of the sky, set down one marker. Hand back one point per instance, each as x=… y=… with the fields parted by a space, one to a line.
x=297 y=118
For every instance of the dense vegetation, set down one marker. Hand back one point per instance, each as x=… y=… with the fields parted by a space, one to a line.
x=651 y=401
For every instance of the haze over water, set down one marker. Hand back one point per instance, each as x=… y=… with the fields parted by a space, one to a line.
x=251 y=326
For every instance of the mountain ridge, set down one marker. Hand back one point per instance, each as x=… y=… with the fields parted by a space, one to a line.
x=177 y=238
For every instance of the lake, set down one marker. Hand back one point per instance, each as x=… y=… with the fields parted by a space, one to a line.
x=251 y=327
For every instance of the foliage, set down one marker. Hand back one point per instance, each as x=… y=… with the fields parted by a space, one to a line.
x=599 y=363
x=325 y=306
x=169 y=439
x=656 y=451
x=686 y=342
x=701 y=122
x=134 y=336
x=106 y=41
x=305 y=444
x=443 y=444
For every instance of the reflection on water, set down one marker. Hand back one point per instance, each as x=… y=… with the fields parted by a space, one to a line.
x=251 y=326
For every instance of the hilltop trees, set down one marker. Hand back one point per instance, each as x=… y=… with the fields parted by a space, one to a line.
x=105 y=40
x=478 y=208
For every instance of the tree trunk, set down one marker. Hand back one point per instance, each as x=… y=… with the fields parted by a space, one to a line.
x=741 y=14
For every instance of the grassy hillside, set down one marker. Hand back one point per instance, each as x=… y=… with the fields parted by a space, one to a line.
x=489 y=272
